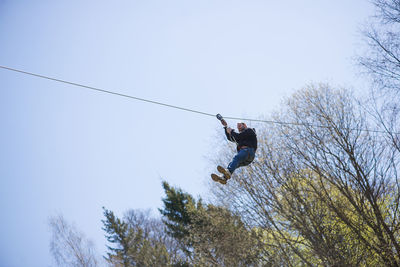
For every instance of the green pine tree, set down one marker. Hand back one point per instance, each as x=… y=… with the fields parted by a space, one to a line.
x=209 y=235
x=119 y=234
x=131 y=246
x=177 y=208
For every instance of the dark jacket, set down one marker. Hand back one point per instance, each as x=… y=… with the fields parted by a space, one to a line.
x=247 y=138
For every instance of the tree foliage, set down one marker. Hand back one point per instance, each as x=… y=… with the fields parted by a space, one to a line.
x=133 y=243
x=210 y=235
x=177 y=208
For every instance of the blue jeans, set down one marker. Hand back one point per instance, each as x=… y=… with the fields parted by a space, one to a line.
x=243 y=158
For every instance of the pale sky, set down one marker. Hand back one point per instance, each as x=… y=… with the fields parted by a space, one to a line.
x=70 y=151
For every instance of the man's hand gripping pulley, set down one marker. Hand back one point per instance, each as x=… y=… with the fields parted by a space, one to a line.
x=223 y=122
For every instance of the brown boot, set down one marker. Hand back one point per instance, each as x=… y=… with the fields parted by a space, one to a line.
x=218 y=179
x=227 y=174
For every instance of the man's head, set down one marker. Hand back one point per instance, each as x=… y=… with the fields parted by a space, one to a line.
x=241 y=126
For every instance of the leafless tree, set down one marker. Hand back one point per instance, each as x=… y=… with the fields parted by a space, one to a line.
x=69 y=247
x=381 y=59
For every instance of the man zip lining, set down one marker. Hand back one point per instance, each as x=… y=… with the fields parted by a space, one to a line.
x=246 y=146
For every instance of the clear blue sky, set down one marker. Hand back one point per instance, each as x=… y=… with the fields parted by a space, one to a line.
x=71 y=151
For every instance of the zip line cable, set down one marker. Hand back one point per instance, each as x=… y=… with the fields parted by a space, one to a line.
x=169 y=105
x=105 y=91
